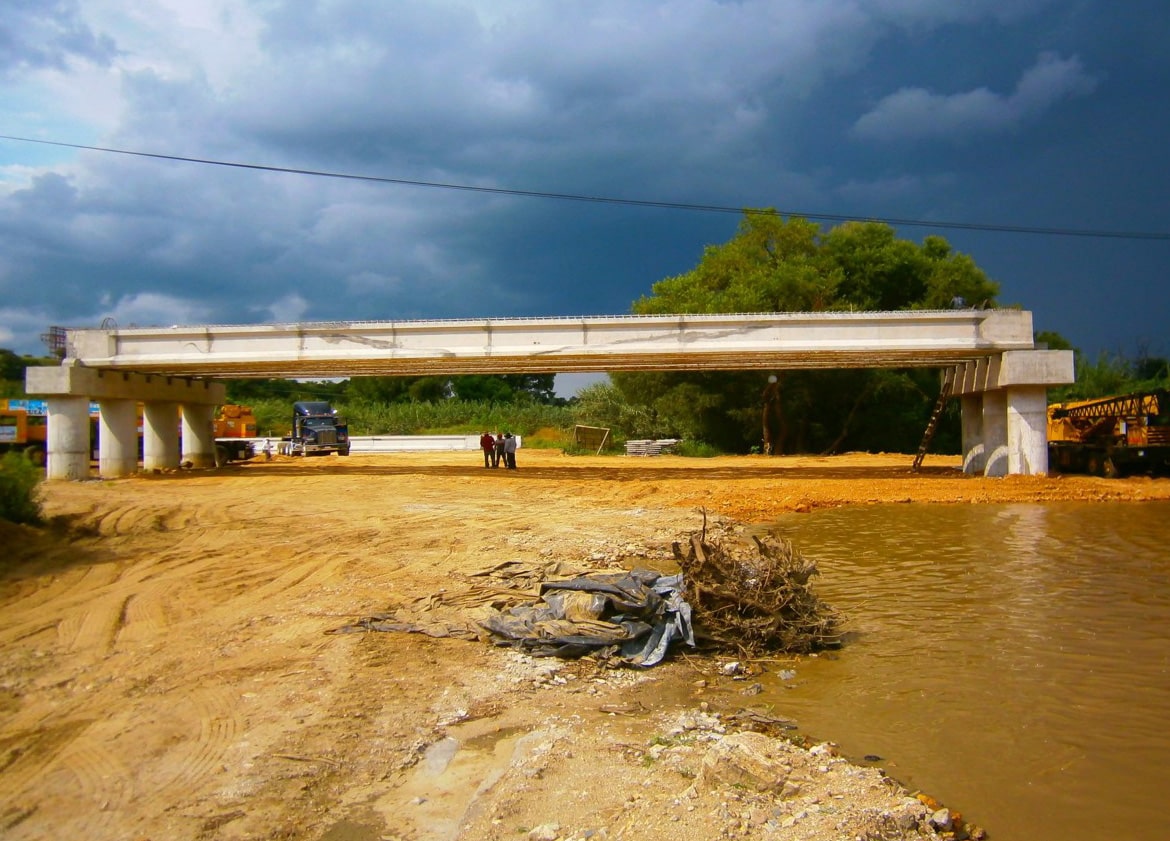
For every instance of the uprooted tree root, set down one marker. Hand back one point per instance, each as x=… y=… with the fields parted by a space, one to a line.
x=754 y=597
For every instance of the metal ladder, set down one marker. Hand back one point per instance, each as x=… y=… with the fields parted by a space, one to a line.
x=948 y=384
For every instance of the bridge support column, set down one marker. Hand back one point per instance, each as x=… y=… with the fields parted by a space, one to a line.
x=974 y=456
x=68 y=438
x=1027 y=429
x=160 y=436
x=198 y=437
x=995 y=433
x=117 y=438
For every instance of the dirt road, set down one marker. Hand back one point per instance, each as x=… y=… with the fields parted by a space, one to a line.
x=167 y=671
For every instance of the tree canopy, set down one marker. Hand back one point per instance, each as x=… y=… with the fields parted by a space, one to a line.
x=778 y=264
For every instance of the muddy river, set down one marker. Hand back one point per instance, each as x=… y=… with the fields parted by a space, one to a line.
x=1011 y=660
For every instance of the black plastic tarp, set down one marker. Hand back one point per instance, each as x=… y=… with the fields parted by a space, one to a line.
x=634 y=616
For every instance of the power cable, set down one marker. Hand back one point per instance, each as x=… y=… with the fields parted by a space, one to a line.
x=706 y=208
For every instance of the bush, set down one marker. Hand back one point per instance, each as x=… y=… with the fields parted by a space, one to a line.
x=696 y=449
x=19 y=481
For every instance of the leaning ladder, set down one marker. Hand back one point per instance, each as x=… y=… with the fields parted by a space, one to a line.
x=948 y=384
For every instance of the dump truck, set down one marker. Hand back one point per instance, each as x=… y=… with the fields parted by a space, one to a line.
x=317 y=430
x=23 y=428
x=1111 y=436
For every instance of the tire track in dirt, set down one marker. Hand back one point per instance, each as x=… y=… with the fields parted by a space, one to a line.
x=123 y=520
x=87 y=608
x=102 y=783
x=26 y=758
x=106 y=603
x=95 y=626
x=270 y=588
x=213 y=722
x=143 y=618
x=77 y=582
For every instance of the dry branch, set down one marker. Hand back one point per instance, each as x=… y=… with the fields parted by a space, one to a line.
x=754 y=596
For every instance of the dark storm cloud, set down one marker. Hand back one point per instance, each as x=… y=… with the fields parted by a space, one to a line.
x=1002 y=112
x=918 y=113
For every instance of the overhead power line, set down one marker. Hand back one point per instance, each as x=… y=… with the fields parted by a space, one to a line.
x=538 y=194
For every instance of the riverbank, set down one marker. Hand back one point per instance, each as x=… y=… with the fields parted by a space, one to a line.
x=167 y=671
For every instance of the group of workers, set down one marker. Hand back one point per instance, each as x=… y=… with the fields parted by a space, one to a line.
x=497 y=448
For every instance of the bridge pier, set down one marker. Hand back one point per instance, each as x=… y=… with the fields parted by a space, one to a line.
x=1027 y=423
x=68 y=437
x=1004 y=401
x=972 y=433
x=160 y=435
x=168 y=403
x=197 y=434
x=117 y=437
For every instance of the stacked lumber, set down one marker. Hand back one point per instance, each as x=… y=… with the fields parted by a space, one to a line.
x=652 y=447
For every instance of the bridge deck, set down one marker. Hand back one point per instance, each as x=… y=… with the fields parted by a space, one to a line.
x=559 y=345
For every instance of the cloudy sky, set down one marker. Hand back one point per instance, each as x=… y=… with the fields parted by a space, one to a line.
x=1039 y=114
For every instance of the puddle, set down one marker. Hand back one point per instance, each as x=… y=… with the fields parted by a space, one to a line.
x=443 y=787
x=488 y=740
x=350 y=831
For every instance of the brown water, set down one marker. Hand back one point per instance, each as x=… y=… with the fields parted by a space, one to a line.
x=1011 y=660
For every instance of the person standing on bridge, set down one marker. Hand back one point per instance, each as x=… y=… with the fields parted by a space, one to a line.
x=488 y=444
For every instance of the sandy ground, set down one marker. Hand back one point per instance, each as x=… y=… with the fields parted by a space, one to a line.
x=167 y=671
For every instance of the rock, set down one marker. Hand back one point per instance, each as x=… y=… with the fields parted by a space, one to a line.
x=545 y=832
x=941 y=820
x=791 y=789
x=751 y=760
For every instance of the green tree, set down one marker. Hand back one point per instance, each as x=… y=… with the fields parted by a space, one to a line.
x=260 y=389
x=777 y=264
x=11 y=365
x=12 y=368
x=429 y=389
x=380 y=389
x=505 y=388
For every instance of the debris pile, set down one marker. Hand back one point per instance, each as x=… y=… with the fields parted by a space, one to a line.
x=753 y=595
x=750 y=597
x=632 y=616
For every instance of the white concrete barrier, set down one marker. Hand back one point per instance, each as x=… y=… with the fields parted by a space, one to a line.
x=373 y=444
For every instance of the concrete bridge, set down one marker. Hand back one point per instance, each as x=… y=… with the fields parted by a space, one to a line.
x=999 y=375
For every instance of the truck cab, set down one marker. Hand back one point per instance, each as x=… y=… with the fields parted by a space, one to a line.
x=316 y=430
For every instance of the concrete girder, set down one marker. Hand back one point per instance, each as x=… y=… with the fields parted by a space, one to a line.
x=560 y=345
x=1014 y=368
